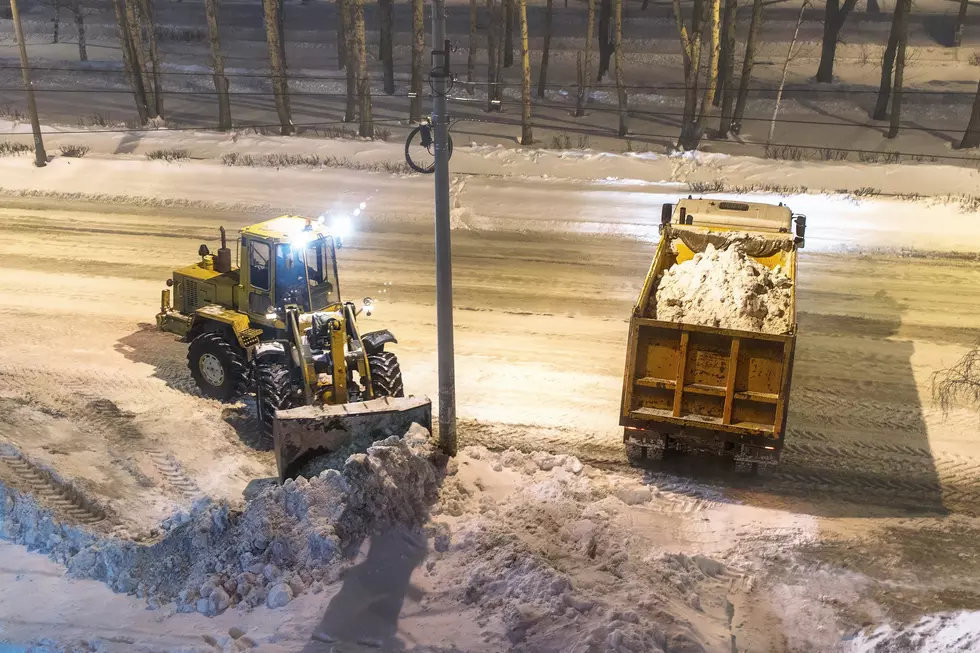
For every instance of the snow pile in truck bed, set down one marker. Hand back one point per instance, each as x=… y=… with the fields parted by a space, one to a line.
x=726 y=289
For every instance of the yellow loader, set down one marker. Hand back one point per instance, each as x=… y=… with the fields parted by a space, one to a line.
x=274 y=320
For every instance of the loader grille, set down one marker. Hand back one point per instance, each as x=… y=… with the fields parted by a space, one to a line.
x=250 y=336
x=190 y=295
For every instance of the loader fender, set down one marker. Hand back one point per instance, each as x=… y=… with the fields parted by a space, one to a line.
x=272 y=349
x=374 y=342
x=212 y=315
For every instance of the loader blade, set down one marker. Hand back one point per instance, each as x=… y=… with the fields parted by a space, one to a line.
x=304 y=433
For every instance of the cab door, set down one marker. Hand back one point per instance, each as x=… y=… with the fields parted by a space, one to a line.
x=258 y=278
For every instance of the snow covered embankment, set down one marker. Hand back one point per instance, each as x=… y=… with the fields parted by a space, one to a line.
x=284 y=542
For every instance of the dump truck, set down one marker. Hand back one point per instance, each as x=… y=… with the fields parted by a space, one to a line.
x=274 y=320
x=705 y=388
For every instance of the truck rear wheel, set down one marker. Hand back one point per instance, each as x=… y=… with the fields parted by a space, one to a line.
x=218 y=366
x=273 y=391
x=386 y=375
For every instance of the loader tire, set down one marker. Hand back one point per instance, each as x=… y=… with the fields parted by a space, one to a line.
x=386 y=375
x=273 y=391
x=219 y=367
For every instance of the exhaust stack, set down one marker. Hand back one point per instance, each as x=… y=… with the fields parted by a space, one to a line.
x=222 y=262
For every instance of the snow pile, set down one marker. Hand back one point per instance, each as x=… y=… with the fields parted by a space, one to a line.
x=937 y=633
x=284 y=542
x=552 y=565
x=728 y=289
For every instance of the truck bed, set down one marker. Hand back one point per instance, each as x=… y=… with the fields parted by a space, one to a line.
x=714 y=388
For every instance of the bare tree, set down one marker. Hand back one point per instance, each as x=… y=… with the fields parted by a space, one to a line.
x=960 y=19
x=277 y=63
x=833 y=20
x=218 y=65
x=692 y=121
x=546 y=50
x=150 y=28
x=526 y=135
x=605 y=43
x=618 y=49
x=726 y=55
x=366 y=127
x=76 y=10
x=748 y=61
x=903 y=33
x=135 y=25
x=386 y=47
x=131 y=61
x=418 y=47
x=584 y=69
x=971 y=137
x=961 y=382
x=898 y=34
x=790 y=55
x=341 y=34
x=491 y=55
x=350 y=47
x=471 y=53
x=508 y=33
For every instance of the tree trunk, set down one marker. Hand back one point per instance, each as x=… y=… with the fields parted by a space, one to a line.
x=747 y=63
x=971 y=137
x=491 y=54
x=711 y=83
x=471 y=54
x=498 y=82
x=526 y=135
x=605 y=43
x=350 y=45
x=146 y=8
x=618 y=51
x=57 y=24
x=80 y=28
x=833 y=21
x=341 y=34
x=366 y=128
x=583 y=87
x=782 y=79
x=691 y=52
x=218 y=65
x=508 y=33
x=727 y=71
x=726 y=56
x=903 y=32
x=386 y=8
x=958 y=28
x=277 y=64
x=543 y=76
x=888 y=64
x=135 y=33
x=418 y=47
x=131 y=61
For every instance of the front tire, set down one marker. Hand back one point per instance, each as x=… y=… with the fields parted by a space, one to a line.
x=273 y=391
x=386 y=375
x=219 y=367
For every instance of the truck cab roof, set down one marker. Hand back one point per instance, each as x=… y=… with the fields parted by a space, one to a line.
x=287 y=229
x=730 y=214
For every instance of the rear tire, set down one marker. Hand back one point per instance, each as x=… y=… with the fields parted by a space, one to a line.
x=219 y=367
x=273 y=391
x=386 y=375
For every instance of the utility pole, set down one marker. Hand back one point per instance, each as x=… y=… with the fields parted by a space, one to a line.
x=441 y=78
x=40 y=156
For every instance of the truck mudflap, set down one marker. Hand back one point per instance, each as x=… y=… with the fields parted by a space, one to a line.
x=302 y=434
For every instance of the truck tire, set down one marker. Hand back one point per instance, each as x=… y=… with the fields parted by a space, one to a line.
x=386 y=375
x=273 y=391
x=219 y=367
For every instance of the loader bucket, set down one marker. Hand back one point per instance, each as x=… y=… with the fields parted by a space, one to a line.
x=302 y=434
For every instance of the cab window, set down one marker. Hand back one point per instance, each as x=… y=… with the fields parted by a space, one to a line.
x=258 y=264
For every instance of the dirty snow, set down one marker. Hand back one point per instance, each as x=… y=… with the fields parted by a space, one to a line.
x=726 y=289
x=955 y=632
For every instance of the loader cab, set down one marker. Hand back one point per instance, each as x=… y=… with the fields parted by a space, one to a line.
x=287 y=261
